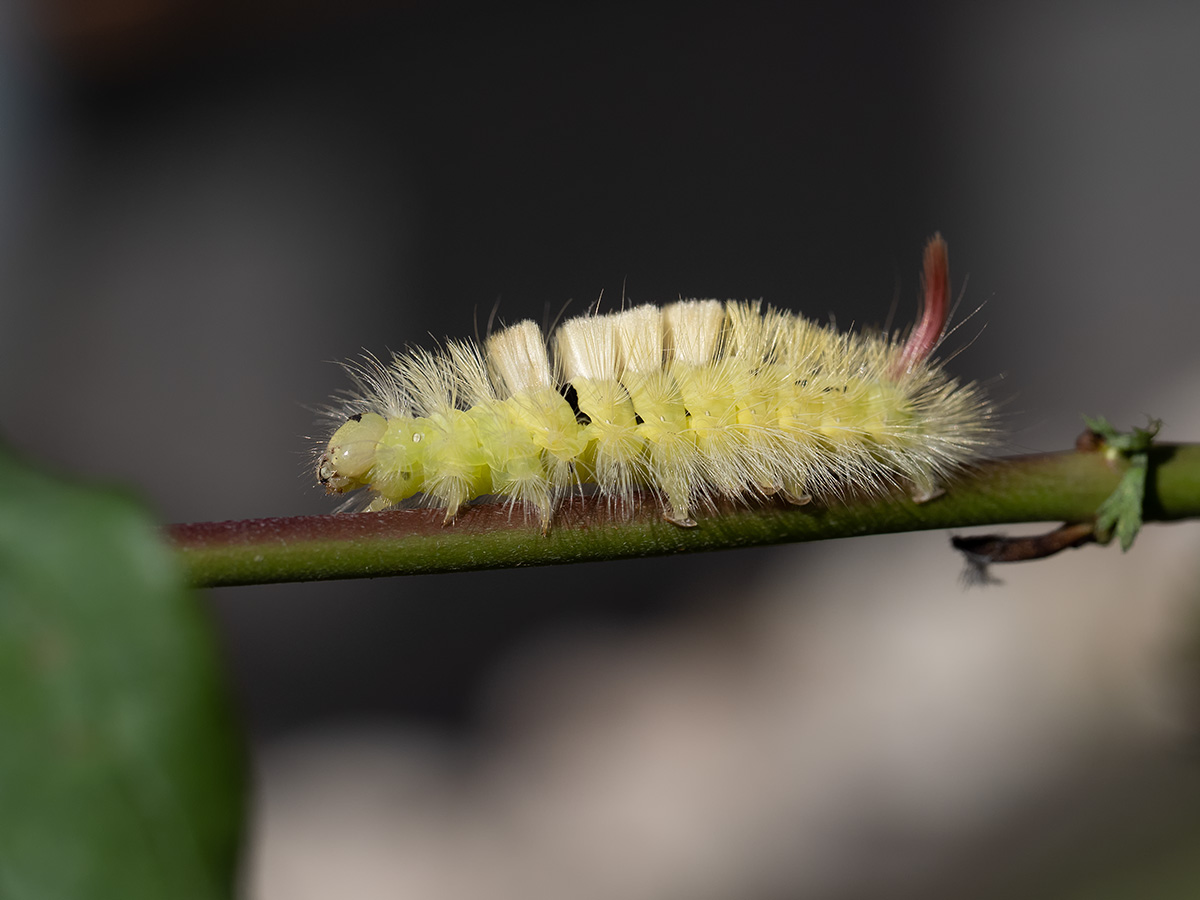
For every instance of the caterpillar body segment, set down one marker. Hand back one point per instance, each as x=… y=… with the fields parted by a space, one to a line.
x=588 y=353
x=696 y=401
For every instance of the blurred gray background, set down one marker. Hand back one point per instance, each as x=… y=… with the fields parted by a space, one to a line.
x=203 y=204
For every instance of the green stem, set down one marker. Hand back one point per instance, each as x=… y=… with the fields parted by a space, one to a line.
x=1058 y=487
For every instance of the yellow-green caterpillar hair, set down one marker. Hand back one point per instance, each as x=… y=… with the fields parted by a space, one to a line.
x=696 y=401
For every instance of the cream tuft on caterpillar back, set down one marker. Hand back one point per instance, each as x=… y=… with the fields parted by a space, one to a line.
x=696 y=401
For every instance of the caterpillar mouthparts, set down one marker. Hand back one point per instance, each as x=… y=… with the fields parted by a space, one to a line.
x=696 y=401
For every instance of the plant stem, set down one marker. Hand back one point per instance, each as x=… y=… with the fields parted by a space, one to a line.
x=1057 y=487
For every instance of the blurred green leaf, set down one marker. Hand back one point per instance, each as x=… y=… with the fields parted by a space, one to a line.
x=120 y=769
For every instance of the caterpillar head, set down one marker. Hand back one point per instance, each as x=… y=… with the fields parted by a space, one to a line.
x=346 y=462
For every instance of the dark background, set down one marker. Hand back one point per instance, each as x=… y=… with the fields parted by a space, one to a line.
x=205 y=203
x=221 y=201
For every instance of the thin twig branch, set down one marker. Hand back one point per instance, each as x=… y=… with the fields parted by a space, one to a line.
x=1059 y=487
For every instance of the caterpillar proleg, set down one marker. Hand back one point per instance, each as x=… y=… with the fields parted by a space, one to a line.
x=696 y=401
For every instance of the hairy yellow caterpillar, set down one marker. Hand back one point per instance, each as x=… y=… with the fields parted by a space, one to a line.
x=696 y=401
